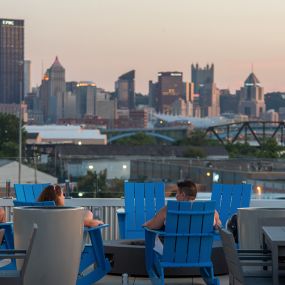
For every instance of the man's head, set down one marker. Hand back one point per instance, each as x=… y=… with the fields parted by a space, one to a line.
x=187 y=190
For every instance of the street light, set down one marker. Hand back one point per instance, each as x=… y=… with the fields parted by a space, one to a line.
x=20 y=62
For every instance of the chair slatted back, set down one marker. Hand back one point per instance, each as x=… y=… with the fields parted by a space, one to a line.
x=29 y=192
x=29 y=250
x=2 y=232
x=230 y=197
x=189 y=232
x=231 y=255
x=142 y=201
x=39 y=204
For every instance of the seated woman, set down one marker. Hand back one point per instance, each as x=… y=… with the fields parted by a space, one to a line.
x=186 y=191
x=2 y=215
x=55 y=193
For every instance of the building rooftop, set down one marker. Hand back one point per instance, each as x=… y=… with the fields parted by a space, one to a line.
x=64 y=132
x=141 y=150
x=251 y=80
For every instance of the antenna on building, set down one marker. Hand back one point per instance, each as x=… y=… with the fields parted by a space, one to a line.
x=251 y=67
x=42 y=75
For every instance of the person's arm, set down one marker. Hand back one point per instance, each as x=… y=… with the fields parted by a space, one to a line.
x=90 y=222
x=2 y=215
x=217 y=221
x=157 y=222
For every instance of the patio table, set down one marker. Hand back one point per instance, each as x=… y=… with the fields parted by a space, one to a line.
x=274 y=239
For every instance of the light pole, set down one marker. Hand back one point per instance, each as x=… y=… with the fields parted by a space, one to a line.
x=20 y=119
x=91 y=167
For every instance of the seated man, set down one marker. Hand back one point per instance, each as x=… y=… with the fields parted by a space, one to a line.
x=186 y=191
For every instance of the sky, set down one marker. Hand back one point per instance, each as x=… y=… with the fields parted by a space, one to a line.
x=99 y=40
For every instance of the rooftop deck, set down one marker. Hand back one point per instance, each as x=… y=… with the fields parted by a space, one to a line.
x=106 y=209
x=114 y=280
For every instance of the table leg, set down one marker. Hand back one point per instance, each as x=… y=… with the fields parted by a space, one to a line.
x=275 y=267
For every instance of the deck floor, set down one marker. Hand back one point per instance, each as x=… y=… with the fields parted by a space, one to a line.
x=114 y=280
x=117 y=280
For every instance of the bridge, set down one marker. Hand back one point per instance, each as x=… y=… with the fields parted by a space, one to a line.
x=254 y=132
x=167 y=134
x=250 y=131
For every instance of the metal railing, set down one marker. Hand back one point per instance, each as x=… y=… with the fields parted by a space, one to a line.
x=105 y=209
x=102 y=208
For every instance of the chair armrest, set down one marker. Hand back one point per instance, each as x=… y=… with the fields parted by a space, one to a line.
x=122 y=222
x=11 y=251
x=253 y=251
x=160 y=233
x=13 y=256
x=88 y=229
x=121 y=211
x=6 y=224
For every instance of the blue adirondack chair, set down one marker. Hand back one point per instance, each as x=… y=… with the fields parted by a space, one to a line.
x=29 y=192
x=230 y=197
x=188 y=239
x=142 y=202
x=8 y=243
x=93 y=254
x=39 y=204
x=8 y=240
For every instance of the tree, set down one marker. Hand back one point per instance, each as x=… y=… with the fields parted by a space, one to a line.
x=92 y=183
x=197 y=138
x=9 y=136
x=137 y=139
x=269 y=148
x=194 y=152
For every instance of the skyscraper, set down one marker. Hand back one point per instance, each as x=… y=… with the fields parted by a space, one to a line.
x=166 y=91
x=251 y=97
x=85 y=99
x=201 y=76
x=203 y=79
x=11 y=60
x=125 y=90
x=53 y=93
x=27 y=77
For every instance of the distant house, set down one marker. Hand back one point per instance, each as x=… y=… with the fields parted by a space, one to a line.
x=9 y=171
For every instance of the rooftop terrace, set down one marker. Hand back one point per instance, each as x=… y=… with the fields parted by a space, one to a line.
x=105 y=209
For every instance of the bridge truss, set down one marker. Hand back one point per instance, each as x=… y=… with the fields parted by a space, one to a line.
x=251 y=132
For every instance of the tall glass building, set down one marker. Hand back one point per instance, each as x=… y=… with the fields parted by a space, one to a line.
x=11 y=60
x=125 y=90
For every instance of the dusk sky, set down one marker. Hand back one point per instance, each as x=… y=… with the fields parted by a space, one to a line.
x=99 y=40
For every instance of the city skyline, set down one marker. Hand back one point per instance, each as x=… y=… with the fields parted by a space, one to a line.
x=100 y=40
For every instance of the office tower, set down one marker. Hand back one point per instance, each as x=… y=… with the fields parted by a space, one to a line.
x=228 y=102
x=85 y=99
x=138 y=118
x=201 y=76
x=181 y=107
x=125 y=90
x=166 y=91
x=274 y=100
x=53 y=93
x=203 y=79
x=27 y=77
x=11 y=60
x=188 y=92
x=106 y=106
x=251 y=98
